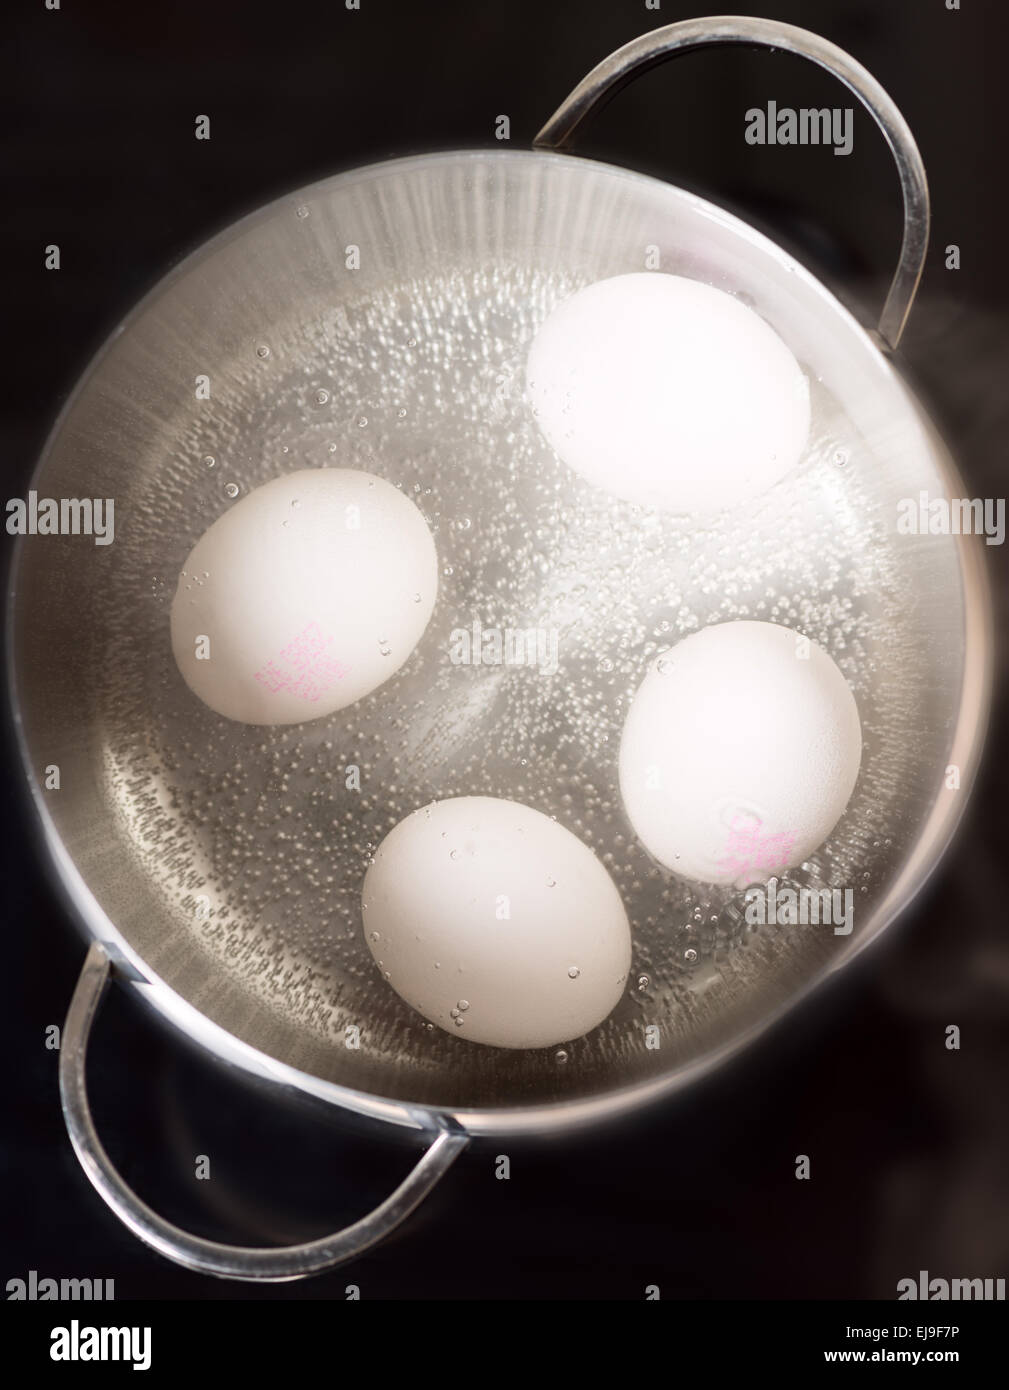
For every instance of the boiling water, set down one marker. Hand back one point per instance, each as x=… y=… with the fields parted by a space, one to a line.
x=255 y=838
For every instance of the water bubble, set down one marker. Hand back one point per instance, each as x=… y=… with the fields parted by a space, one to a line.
x=463 y=1005
x=606 y=664
x=459 y=1022
x=416 y=598
x=231 y=489
x=573 y=972
x=551 y=883
x=841 y=457
x=321 y=396
x=301 y=211
x=643 y=982
x=560 y=1057
x=374 y=936
x=401 y=413
x=362 y=420
x=383 y=647
x=262 y=350
x=464 y=523
x=209 y=461
x=690 y=955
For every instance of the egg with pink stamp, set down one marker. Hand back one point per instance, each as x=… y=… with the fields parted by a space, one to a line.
x=305 y=596
x=739 y=753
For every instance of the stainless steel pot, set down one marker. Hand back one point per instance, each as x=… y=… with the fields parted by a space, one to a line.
x=216 y=867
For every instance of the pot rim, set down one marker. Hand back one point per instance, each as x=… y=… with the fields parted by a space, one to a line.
x=551 y=1116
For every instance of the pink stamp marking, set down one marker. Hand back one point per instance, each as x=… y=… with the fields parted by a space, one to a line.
x=305 y=668
x=749 y=851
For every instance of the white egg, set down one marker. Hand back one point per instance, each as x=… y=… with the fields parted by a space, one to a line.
x=667 y=392
x=496 y=923
x=305 y=596
x=740 y=752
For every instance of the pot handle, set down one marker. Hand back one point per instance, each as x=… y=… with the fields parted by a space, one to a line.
x=209 y=1256
x=614 y=72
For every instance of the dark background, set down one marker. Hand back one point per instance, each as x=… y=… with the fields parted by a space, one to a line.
x=909 y=1142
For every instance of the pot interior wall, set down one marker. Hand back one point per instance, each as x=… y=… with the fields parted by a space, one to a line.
x=411 y=367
